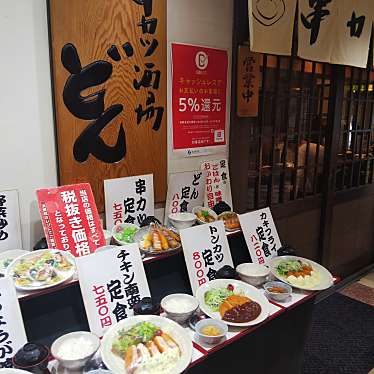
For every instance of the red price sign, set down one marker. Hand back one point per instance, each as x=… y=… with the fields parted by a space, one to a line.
x=199 y=96
x=70 y=219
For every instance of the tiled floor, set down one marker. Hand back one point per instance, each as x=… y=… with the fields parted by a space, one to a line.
x=362 y=291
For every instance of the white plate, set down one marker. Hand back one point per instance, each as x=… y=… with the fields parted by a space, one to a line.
x=245 y=289
x=65 y=275
x=10 y=255
x=178 y=333
x=13 y=371
x=326 y=277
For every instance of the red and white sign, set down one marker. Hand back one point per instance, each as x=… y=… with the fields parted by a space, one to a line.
x=110 y=294
x=261 y=235
x=217 y=186
x=206 y=250
x=70 y=219
x=198 y=96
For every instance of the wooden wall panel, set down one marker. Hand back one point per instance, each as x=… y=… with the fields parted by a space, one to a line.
x=352 y=236
x=301 y=231
x=93 y=26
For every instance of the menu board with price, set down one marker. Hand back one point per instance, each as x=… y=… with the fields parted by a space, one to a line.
x=198 y=97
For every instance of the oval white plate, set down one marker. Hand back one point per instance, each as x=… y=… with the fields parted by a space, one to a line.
x=245 y=289
x=326 y=277
x=10 y=255
x=13 y=371
x=66 y=275
x=178 y=333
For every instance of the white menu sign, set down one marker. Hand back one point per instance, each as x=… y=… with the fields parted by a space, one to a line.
x=10 y=224
x=12 y=330
x=128 y=199
x=217 y=186
x=185 y=191
x=260 y=235
x=206 y=250
x=112 y=281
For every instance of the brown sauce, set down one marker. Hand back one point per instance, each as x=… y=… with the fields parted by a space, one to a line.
x=243 y=313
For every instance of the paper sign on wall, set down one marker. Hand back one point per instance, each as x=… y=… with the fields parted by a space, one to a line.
x=199 y=95
x=261 y=235
x=206 y=250
x=217 y=187
x=12 y=330
x=70 y=219
x=110 y=293
x=10 y=224
x=128 y=199
x=185 y=191
x=271 y=25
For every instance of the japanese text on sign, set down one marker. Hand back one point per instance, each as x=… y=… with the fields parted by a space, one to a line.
x=206 y=250
x=260 y=235
x=10 y=224
x=70 y=219
x=128 y=200
x=217 y=187
x=12 y=331
x=92 y=107
x=198 y=96
x=185 y=191
x=110 y=295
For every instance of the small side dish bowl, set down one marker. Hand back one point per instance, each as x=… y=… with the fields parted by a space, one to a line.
x=32 y=357
x=277 y=291
x=204 y=215
x=210 y=324
x=253 y=274
x=182 y=220
x=179 y=307
x=123 y=233
x=70 y=357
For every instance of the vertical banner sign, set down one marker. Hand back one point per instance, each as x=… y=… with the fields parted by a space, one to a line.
x=185 y=191
x=260 y=235
x=129 y=199
x=198 y=97
x=70 y=219
x=12 y=330
x=217 y=186
x=248 y=85
x=110 y=90
x=10 y=224
x=352 y=33
x=206 y=250
x=271 y=25
x=316 y=29
x=110 y=294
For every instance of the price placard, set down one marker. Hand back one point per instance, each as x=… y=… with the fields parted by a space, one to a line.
x=12 y=330
x=217 y=186
x=10 y=224
x=185 y=191
x=112 y=281
x=206 y=250
x=129 y=199
x=260 y=235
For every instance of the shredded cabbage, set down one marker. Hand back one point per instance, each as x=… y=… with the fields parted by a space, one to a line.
x=215 y=297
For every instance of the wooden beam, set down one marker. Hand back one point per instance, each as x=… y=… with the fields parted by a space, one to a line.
x=331 y=150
